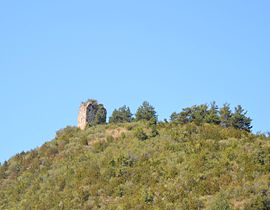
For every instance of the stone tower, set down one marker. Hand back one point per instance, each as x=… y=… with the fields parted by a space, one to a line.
x=91 y=113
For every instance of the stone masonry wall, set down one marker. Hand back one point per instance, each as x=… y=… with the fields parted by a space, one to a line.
x=88 y=113
x=82 y=122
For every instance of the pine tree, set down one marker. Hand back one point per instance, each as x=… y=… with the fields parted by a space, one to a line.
x=100 y=117
x=213 y=114
x=121 y=115
x=146 y=112
x=174 y=117
x=199 y=113
x=240 y=120
x=185 y=116
x=225 y=115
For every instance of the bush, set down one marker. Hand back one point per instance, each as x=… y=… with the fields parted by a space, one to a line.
x=140 y=134
x=154 y=131
x=184 y=167
x=259 y=203
x=84 y=141
x=221 y=203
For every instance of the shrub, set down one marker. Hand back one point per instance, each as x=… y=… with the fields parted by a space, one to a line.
x=221 y=203
x=140 y=134
x=259 y=203
x=154 y=131
x=84 y=141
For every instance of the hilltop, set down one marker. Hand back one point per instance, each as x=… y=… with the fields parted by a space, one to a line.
x=205 y=157
x=141 y=165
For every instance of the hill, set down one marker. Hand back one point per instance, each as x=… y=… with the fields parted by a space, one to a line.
x=138 y=166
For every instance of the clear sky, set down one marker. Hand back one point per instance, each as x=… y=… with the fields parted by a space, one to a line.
x=56 y=54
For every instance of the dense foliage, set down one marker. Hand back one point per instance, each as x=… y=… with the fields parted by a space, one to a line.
x=101 y=114
x=96 y=112
x=146 y=112
x=185 y=166
x=121 y=115
x=200 y=114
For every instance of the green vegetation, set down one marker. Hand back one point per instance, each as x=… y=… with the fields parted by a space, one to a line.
x=123 y=167
x=97 y=112
x=203 y=159
x=146 y=112
x=140 y=134
x=101 y=114
x=200 y=114
x=121 y=115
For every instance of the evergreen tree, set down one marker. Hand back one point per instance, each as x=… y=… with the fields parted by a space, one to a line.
x=240 y=120
x=100 y=117
x=146 y=112
x=174 y=117
x=225 y=115
x=121 y=115
x=3 y=169
x=213 y=114
x=182 y=117
x=199 y=113
x=196 y=114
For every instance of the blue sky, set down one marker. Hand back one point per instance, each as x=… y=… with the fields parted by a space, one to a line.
x=55 y=54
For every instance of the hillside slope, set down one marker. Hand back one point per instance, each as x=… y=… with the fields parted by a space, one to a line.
x=128 y=166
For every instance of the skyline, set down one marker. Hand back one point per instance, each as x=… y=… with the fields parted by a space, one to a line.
x=174 y=54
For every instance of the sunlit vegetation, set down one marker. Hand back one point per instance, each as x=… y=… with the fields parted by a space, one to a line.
x=200 y=114
x=121 y=115
x=142 y=164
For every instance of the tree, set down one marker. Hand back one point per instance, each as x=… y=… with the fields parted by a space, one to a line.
x=121 y=115
x=240 y=120
x=101 y=114
x=213 y=114
x=185 y=116
x=196 y=114
x=3 y=169
x=146 y=112
x=182 y=117
x=199 y=113
x=225 y=115
x=174 y=117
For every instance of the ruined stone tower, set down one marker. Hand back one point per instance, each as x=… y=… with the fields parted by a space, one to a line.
x=91 y=113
